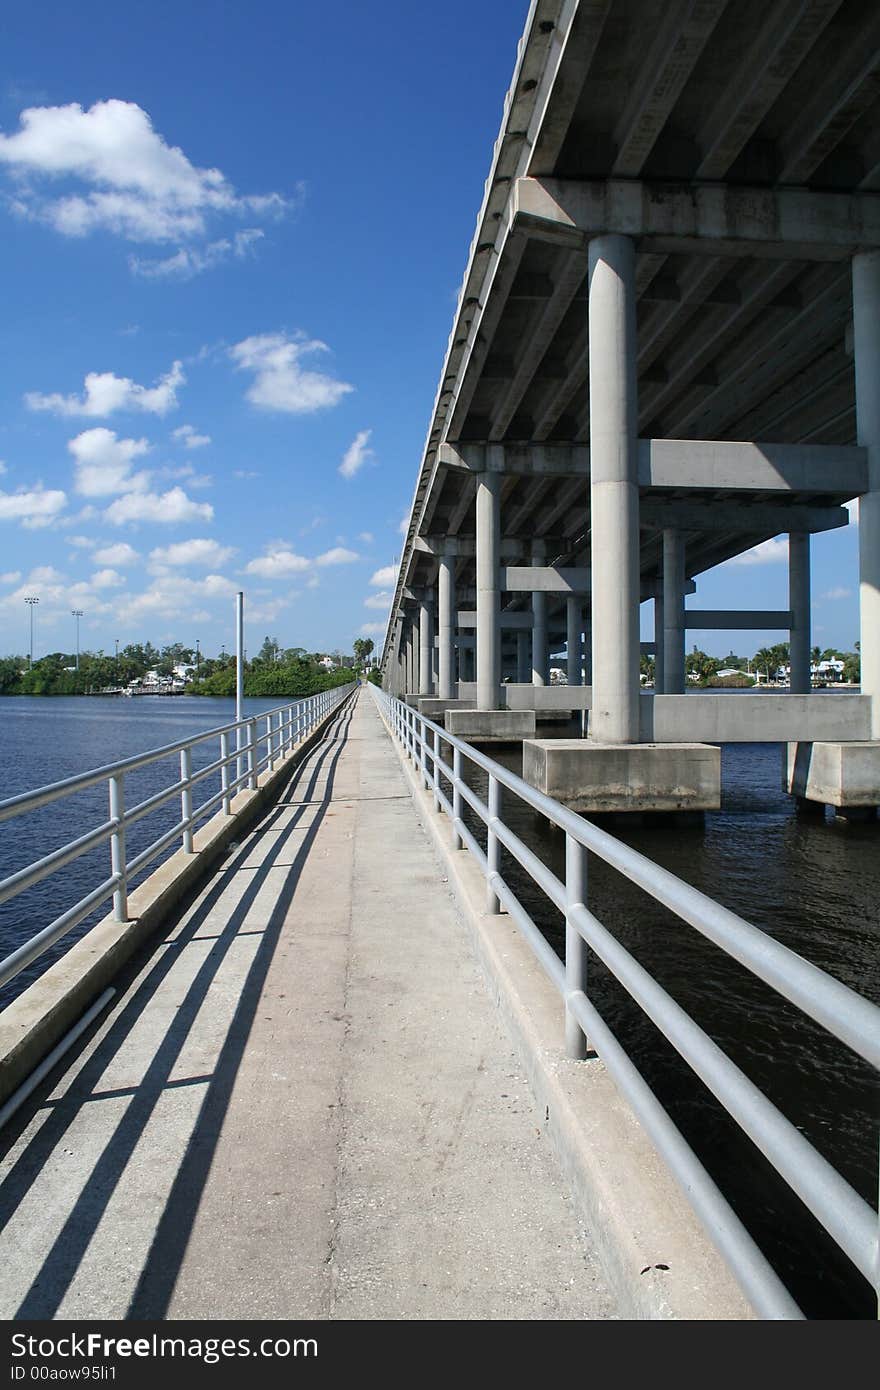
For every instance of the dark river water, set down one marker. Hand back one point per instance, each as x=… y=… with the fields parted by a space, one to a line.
x=812 y=884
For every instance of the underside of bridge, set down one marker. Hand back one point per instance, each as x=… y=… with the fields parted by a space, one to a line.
x=666 y=350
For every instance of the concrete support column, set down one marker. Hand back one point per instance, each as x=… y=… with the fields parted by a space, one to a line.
x=540 y=651
x=488 y=596
x=659 y=664
x=799 y=603
x=426 y=652
x=522 y=658
x=446 y=626
x=673 y=613
x=588 y=648
x=866 y=350
x=574 y=625
x=412 y=641
x=614 y=493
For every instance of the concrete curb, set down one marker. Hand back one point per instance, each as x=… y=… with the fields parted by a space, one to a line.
x=635 y=1211
x=32 y=1024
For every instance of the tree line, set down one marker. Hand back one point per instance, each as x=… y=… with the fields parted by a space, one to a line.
x=274 y=671
x=762 y=667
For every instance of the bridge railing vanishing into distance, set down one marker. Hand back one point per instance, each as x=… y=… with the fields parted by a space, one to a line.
x=246 y=747
x=853 y=1020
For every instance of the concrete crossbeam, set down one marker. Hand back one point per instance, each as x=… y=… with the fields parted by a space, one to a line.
x=547 y=579
x=755 y=717
x=712 y=220
x=698 y=464
x=736 y=620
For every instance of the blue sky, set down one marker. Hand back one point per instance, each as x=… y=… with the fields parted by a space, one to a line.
x=233 y=241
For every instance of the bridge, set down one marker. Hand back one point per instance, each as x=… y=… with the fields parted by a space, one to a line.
x=322 y=1061
x=666 y=350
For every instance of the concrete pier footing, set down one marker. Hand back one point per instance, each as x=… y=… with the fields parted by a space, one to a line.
x=843 y=775
x=644 y=777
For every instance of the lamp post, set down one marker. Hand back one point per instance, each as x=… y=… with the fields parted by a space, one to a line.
x=32 y=602
x=116 y=663
x=77 y=613
x=197 y=658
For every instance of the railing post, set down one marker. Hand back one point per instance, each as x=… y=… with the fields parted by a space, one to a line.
x=436 y=771
x=252 y=754
x=576 y=1045
x=456 y=797
x=117 y=847
x=224 y=774
x=425 y=755
x=288 y=730
x=186 y=798
x=493 y=848
x=270 y=747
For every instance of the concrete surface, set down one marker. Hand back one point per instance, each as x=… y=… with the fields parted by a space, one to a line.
x=303 y=1103
x=834 y=774
x=658 y=1257
x=625 y=777
x=490 y=725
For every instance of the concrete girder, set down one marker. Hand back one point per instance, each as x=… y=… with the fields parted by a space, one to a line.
x=761 y=286
x=704 y=219
x=789 y=30
x=568 y=281
x=500 y=275
x=736 y=620
x=793 y=345
x=578 y=31
x=833 y=372
x=850 y=88
x=740 y=516
x=667 y=65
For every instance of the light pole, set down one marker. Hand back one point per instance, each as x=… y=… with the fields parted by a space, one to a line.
x=32 y=603
x=116 y=663
x=77 y=613
x=197 y=658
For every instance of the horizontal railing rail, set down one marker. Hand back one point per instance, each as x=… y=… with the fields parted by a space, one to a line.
x=850 y=1018
x=247 y=747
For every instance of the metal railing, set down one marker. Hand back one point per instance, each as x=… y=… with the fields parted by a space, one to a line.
x=853 y=1020
x=246 y=748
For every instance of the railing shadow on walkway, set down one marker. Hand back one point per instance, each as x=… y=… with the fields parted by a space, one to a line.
x=156 y=1283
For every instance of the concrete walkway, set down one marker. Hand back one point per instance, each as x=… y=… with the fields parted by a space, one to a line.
x=303 y=1105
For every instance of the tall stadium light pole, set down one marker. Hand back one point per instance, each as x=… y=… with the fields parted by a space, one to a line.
x=32 y=603
x=77 y=613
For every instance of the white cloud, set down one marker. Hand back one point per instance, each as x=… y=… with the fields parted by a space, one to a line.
x=190 y=438
x=278 y=563
x=119 y=554
x=134 y=183
x=163 y=597
x=380 y=601
x=372 y=629
x=34 y=508
x=367 y=537
x=201 y=553
x=245 y=473
x=103 y=463
x=3 y=468
x=106 y=393
x=82 y=542
x=189 y=261
x=314 y=582
x=10 y=577
x=167 y=508
x=384 y=576
x=338 y=556
x=106 y=579
x=838 y=592
x=767 y=553
x=280 y=380
x=357 y=454
x=404 y=525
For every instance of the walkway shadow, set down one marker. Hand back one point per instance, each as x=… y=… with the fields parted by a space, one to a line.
x=158 y=1277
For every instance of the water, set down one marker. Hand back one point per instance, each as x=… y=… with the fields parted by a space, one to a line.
x=813 y=884
x=47 y=740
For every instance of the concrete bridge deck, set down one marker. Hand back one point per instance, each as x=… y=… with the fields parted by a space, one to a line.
x=302 y=1104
